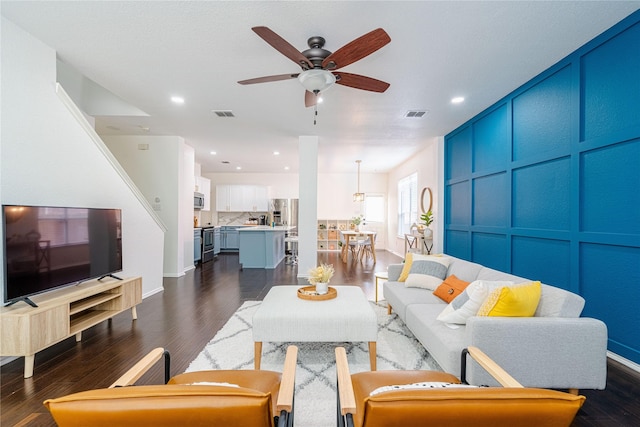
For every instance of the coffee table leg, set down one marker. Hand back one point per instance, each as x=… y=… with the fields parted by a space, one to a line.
x=257 y=349
x=372 y=355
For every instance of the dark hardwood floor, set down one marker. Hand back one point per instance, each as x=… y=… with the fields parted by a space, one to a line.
x=187 y=315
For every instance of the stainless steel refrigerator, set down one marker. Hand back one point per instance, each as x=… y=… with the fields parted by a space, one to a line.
x=284 y=211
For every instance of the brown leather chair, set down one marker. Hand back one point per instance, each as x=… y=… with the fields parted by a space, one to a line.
x=508 y=406
x=231 y=398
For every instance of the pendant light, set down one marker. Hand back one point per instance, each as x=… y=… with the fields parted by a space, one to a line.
x=358 y=197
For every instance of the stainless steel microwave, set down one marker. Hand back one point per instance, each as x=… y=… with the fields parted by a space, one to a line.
x=198 y=200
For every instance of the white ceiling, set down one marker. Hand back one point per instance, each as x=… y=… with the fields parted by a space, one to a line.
x=146 y=51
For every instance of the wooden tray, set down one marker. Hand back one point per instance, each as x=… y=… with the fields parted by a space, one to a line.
x=309 y=293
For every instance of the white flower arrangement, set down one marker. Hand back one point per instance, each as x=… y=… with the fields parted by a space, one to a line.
x=321 y=274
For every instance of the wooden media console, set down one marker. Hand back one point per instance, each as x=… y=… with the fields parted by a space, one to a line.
x=60 y=314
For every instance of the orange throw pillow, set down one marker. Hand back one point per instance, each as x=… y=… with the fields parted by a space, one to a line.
x=450 y=288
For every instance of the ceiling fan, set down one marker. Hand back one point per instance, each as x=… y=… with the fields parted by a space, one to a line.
x=319 y=65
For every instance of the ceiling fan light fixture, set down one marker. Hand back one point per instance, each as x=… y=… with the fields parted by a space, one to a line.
x=316 y=80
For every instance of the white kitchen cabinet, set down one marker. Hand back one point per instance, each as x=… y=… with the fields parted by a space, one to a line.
x=242 y=198
x=222 y=198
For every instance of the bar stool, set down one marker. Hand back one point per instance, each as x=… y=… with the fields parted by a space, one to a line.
x=292 y=259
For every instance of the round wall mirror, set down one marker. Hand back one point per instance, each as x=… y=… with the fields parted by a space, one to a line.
x=426 y=200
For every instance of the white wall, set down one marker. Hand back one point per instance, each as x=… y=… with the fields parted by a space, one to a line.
x=47 y=156
x=426 y=163
x=165 y=174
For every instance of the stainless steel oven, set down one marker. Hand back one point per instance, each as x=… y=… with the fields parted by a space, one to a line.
x=208 y=244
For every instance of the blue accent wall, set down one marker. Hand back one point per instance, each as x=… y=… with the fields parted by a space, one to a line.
x=545 y=183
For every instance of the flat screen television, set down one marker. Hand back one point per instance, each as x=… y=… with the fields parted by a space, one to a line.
x=48 y=247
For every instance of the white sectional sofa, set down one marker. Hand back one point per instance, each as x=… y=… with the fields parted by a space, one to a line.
x=556 y=348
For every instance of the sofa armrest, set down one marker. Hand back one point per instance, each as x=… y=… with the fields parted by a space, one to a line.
x=394 y=271
x=545 y=352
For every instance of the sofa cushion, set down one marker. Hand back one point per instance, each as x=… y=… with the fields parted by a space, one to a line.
x=556 y=302
x=469 y=302
x=398 y=296
x=450 y=288
x=512 y=301
x=443 y=341
x=465 y=270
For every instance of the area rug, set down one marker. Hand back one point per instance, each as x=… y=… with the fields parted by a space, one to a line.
x=315 y=394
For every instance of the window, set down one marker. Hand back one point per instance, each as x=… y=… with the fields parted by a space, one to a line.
x=63 y=227
x=374 y=208
x=407 y=203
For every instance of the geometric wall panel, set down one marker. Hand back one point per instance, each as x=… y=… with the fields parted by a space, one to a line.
x=459 y=212
x=542 y=259
x=610 y=189
x=491 y=203
x=458 y=154
x=610 y=85
x=613 y=298
x=541 y=195
x=545 y=183
x=457 y=244
x=491 y=250
x=542 y=117
x=491 y=141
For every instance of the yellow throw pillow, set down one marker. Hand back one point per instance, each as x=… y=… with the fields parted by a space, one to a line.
x=408 y=260
x=515 y=301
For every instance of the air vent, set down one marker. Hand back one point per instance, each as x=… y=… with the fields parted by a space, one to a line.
x=225 y=162
x=415 y=114
x=224 y=113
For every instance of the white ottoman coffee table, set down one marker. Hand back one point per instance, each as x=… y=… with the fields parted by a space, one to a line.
x=283 y=317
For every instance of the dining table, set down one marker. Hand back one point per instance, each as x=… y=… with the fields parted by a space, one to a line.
x=349 y=234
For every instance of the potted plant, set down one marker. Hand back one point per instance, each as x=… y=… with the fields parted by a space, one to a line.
x=427 y=219
x=320 y=276
x=356 y=221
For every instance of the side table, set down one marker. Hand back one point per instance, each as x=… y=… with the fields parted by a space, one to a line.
x=380 y=275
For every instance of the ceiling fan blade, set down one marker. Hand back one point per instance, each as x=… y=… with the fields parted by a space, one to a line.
x=310 y=99
x=357 y=49
x=282 y=46
x=360 y=82
x=267 y=79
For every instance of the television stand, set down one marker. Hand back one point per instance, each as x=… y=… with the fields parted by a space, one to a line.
x=63 y=313
x=109 y=275
x=25 y=299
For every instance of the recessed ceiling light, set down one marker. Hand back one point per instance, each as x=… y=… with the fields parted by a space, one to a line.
x=276 y=153
x=286 y=168
x=177 y=99
x=457 y=100
x=213 y=153
x=238 y=168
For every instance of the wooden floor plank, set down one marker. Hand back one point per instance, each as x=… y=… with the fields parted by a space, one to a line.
x=187 y=315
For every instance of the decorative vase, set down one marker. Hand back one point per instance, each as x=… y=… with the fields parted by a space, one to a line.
x=322 y=288
x=427 y=232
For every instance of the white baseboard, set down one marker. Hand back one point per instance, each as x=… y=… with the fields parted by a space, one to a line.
x=626 y=362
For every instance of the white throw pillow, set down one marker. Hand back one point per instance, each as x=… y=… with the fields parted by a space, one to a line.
x=419 y=386
x=469 y=302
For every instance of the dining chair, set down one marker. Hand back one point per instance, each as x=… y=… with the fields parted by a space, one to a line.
x=364 y=246
x=353 y=245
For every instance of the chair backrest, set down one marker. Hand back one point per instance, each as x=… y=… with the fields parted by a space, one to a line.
x=164 y=405
x=478 y=407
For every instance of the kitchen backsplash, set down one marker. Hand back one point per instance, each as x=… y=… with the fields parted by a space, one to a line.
x=239 y=218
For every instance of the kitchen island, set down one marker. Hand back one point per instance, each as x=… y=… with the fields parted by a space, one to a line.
x=262 y=246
